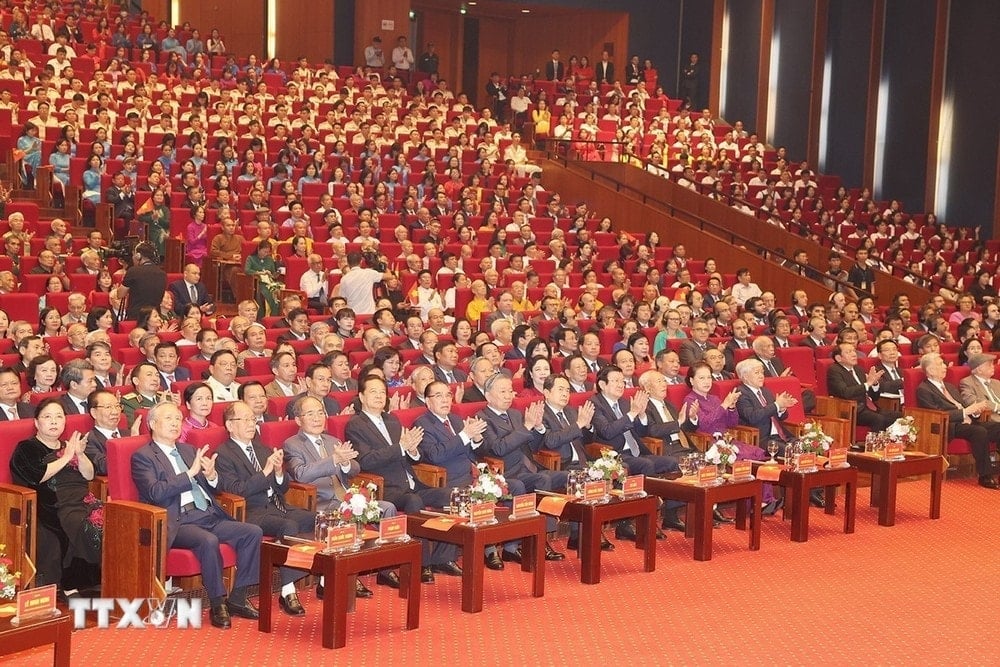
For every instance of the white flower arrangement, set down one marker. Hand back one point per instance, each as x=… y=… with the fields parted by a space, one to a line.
x=722 y=451
x=608 y=467
x=359 y=505
x=489 y=486
x=903 y=431
x=813 y=439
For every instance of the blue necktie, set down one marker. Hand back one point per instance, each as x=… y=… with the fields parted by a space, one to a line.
x=200 y=499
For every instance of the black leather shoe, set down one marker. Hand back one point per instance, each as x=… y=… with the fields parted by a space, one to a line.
x=387 y=578
x=360 y=590
x=450 y=568
x=552 y=554
x=988 y=483
x=772 y=507
x=493 y=561
x=426 y=575
x=660 y=535
x=674 y=524
x=245 y=610
x=817 y=499
x=606 y=544
x=511 y=556
x=721 y=518
x=290 y=605
x=219 y=617
x=624 y=531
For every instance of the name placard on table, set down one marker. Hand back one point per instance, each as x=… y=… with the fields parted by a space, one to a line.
x=708 y=475
x=633 y=485
x=35 y=603
x=341 y=537
x=593 y=491
x=806 y=461
x=523 y=506
x=838 y=458
x=482 y=512
x=893 y=451
x=393 y=529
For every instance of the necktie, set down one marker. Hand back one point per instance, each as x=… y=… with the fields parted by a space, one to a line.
x=450 y=376
x=322 y=287
x=194 y=293
x=577 y=456
x=869 y=403
x=630 y=442
x=770 y=369
x=253 y=458
x=776 y=428
x=380 y=425
x=170 y=379
x=593 y=366
x=339 y=387
x=200 y=499
x=12 y=412
x=944 y=390
x=448 y=426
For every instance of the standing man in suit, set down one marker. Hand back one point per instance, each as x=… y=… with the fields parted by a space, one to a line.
x=189 y=290
x=554 y=68
x=515 y=437
x=445 y=362
x=621 y=424
x=106 y=410
x=77 y=377
x=385 y=448
x=604 y=73
x=980 y=385
x=935 y=394
x=167 y=359
x=844 y=380
x=257 y=473
x=182 y=480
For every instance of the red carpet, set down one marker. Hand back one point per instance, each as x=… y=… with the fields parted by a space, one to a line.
x=911 y=593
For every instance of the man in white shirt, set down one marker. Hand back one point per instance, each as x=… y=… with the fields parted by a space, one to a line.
x=357 y=284
x=222 y=376
x=402 y=56
x=314 y=283
x=744 y=289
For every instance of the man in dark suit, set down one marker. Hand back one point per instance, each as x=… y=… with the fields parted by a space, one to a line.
x=106 y=410
x=692 y=349
x=10 y=391
x=621 y=425
x=257 y=473
x=935 y=394
x=385 y=448
x=514 y=437
x=252 y=393
x=167 y=358
x=763 y=348
x=758 y=407
x=604 y=72
x=663 y=420
x=817 y=333
x=554 y=68
x=716 y=361
x=480 y=371
x=891 y=383
x=318 y=381
x=739 y=341
x=519 y=341
x=445 y=361
x=181 y=479
x=77 y=377
x=845 y=380
x=590 y=348
x=340 y=369
x=576 y=371
x=189 y=290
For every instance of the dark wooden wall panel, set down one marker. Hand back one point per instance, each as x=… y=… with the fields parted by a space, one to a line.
x=793 y=28
x=696 y=37
x=305 y=28
x=496 y=40
x=243 y=23
x=580 y=33
x=742 y=63
x=368 y=17
x=444 y=29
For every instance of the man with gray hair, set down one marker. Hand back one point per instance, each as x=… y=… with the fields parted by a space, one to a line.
x=480 y=371
x=77 y=377
x=76 y=305
x=759 y=407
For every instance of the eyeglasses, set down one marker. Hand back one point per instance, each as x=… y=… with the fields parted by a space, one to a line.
x=109 y=406
x=438 y=394
x=242 y=419
x=312 y=414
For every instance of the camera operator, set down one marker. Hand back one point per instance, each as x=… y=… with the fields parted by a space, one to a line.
x=145 y=281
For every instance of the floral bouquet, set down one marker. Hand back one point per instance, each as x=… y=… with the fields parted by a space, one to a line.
x=608 y=467
x=8 y=578
x=903 y=431
x=489 y=486
x=359 y=505
x=814 y=440
x=722 y=451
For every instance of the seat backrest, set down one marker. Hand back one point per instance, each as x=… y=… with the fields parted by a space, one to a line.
x=120 y=451
x=212 y=436
x=409 y=415
x=800 y=360
x=274 y=434
x=912 y=377
x=14 y=432
x=791 y=385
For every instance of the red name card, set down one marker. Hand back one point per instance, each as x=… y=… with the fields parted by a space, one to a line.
x=807 y=461
x=707 y=475
x=838 y=458
x=36 y=602
x=340 y=537
x=742 y=470
x=524 y=505
x=482 y=512
x=302 y=555
x=634 y=485
x=593 y=491
x=392 y=529
x=893 y=450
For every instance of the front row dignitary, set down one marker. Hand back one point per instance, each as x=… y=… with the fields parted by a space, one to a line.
x=936 y=394
x=515 y=437
x=312 y=456
x=257 y=473
x=69 y=539
x=620 y=423
x=183 y=480
x=385 y=448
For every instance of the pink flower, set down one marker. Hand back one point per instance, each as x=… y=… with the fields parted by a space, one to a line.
x=96 y=517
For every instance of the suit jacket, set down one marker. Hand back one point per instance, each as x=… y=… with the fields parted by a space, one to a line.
x=182 y=295
x=587 y=388
x=181 y=374
x=889 y=386
x=473 y=394
x=730 y=353
x=97 y=451
x=516 y=318
x=565 y=439
x=159 y=485
x=304 y=463
x=778 y=364
x=690 y=352
x=610 y=429
x=442 y=448
x=667 y=430
x=929 y=396
x=600 y=364
x=604 y=72
x=24 y=411
x=758 y=416
x=378 y=455
x=972 y=390
x=511 y=441
x=70 y=406
x=460 y=375
x=241 y=478
x=330 y=404
x=849 y=384
x=809 y=341
x=513 y=353
x=351 y=383
x=273 y=390
x=555 y=71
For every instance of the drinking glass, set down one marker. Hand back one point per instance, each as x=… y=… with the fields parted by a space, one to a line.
x=772 y=449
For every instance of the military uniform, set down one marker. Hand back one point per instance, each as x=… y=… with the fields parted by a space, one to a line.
x=133 y=401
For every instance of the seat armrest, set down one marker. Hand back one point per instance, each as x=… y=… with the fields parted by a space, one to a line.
x=99 y=487
x=235 y=506
x=301 y=495
x=747 y=434
x=549 y=459
x=18 y=526
x=596 y=449
x=494 y=463
x=654 y=445
x=430 y=474
x=932 y=425
x=134 y=554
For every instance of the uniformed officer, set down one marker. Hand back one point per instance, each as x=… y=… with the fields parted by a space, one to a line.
x=146 y=383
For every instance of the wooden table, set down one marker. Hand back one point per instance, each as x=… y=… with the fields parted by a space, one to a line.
x=592 y=517
x=56 y=630
x=798 y=485
x=886 y=474
x=340 y=571
x=700 y=501
x=473 y=541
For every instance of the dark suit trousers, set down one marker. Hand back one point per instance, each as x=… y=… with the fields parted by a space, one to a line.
x=278 y=524
x=202 y=532
x=979 y=436
x=876 y=421
x=411 y=501
x=652 y=464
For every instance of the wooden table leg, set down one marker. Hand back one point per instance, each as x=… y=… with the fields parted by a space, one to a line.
x=689 y=511
x=649 y=539
x=887 y=504
x=741 y=514
x=876 y=489
x=409 y=588
x=800 y=510
x=590 y=545
x=756 y=515
x=704 y=529
x=472 y=577
x=533 y=560
x=850 y=499
x=936 y=477
x=336 y=633
x=63 y=643
x=265 y=597
x=352 y=592
x=829 y=499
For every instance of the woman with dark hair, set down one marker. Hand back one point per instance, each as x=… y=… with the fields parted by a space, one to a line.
x=70 y=517
x=344 y=320
x=970 y=348
x=41 y=375
x=49 y=322
x=387 y=360
x=535 y=371
x=150 y=319
x=198 y=400
x=263 y=265
x=537 y=347
x=461 y=333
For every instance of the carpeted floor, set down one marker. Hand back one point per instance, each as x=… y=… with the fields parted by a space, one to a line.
x=913 y=593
